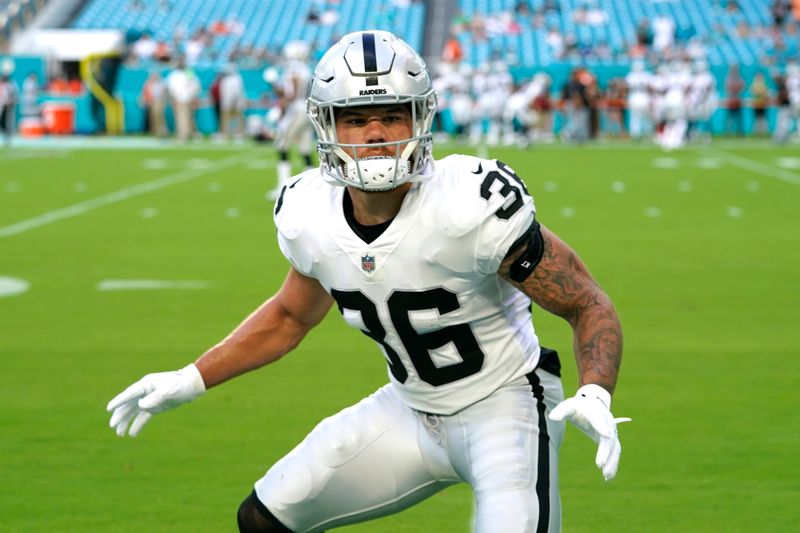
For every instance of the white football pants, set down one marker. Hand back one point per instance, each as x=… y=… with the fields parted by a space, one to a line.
x=379 y=457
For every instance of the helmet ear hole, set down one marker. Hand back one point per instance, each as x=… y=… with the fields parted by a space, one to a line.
x=372 y=68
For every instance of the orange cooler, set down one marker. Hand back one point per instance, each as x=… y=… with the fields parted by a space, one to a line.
x=59 y=117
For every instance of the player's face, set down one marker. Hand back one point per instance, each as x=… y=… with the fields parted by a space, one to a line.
x=373 y=125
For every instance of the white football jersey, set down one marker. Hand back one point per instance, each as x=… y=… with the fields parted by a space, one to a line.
x=426 y=290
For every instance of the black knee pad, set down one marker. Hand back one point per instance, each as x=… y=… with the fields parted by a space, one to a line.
x=254 y=517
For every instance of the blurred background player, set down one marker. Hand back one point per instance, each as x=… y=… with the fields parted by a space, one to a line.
x=294 y=128
x=638 y=82
x=154 y=102
x=527 y=113
x=232 y=102
x=678 y=81
x=183 y=88
x=793 y=87
x=8 y=102
x=703 y=101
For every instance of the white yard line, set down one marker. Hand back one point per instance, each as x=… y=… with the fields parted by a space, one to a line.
x=756 y=166
x=149 y=284
x=118 y=196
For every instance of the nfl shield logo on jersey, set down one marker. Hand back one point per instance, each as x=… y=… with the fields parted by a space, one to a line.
x=368 y=263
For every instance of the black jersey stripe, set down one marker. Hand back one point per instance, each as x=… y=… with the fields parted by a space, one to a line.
x=370 y=61
x=543 y=460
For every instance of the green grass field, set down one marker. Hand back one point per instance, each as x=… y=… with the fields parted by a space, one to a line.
x=699 y=250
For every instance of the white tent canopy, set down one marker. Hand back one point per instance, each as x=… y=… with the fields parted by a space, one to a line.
x=69 y=45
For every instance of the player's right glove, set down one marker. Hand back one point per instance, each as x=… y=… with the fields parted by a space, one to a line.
x=152 y=394
x=590 y=410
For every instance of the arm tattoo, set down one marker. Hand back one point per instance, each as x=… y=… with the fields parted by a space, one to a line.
x=562 y=285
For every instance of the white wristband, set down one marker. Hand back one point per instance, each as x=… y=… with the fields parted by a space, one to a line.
x=195 y=379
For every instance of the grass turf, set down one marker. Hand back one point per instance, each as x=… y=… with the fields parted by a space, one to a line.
x=698 y=249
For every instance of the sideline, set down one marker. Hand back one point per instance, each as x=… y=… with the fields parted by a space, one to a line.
x=119 y=196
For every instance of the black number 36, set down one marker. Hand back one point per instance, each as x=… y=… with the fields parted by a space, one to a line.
x=418 y=345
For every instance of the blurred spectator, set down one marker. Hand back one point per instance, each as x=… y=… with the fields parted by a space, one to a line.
x=576 y=109
x=663 y=34
x=644 y=35
x=329 y=17
x=638 y=84
x=144 y=48
x=58 y=85
x=793 y=86
x=8 y=101
x=154 y=102
x=615 y=106
x=183 y=89
x=163 y=52
x=30 y=96
x=74 y=86
x=759 y=101
x=734 y=86
x=596 y=16
x=195 y=47
x=232 y=102
x=216 y=101
x=452 y=52
x=783 y=121
x=779 y=11
x=555 y=42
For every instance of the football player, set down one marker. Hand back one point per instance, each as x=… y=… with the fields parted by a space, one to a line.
x=294 y=129
x=438 y=262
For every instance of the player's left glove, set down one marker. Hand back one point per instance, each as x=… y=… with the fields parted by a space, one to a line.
x=153 y=394
x=590 y=410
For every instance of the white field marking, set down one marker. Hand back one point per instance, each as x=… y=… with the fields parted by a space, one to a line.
x=214 y=186
x=618 y=186
x=788 y=162
x=665 y=162
x=753 y=186
x=118 y=196
x=734 y=212
x=12 y=286
x=12 y=186
x=154 y=164
x=685 y=186
x=79 y=186
x=709 y=162
x=550 y=186
x=149 y=284
x=652 y=212
x=232 y=212
x=199 y=163
x=258 y=164
x=758 y=167
x=567 y=212
x=482 y=151
x=149 y=212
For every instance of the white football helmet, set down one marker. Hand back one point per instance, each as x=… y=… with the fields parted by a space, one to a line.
x=370 y=68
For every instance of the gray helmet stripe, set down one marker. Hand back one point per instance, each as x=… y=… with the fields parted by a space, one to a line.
x=370 y=62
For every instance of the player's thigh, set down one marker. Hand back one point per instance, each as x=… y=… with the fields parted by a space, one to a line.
x=368 y=460
x=512 y=451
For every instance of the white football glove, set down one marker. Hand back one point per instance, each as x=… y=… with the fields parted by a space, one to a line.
x=590 y=410
x=153 y=394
